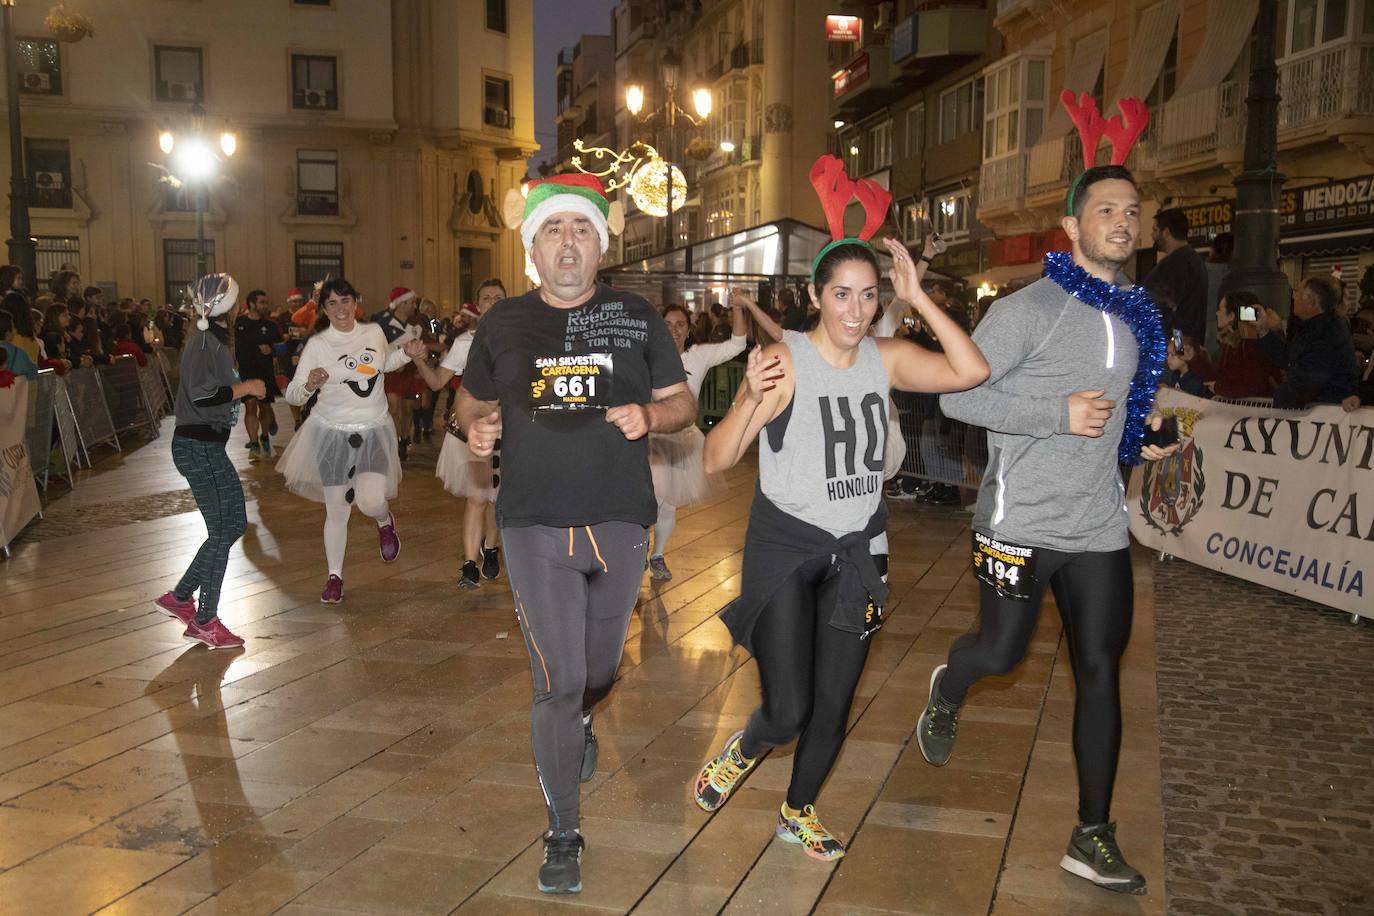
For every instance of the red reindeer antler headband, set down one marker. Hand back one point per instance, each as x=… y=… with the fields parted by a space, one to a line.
x=1121 y=134
x=836 y=189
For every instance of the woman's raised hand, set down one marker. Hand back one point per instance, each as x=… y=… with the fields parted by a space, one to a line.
x=761 y=375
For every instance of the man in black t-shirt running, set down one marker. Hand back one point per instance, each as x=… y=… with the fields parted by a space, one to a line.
x=255 y=334
x=571 y=377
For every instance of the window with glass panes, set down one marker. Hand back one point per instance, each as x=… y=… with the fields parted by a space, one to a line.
x=315 y=82
x=879 y=147
x=961 y=109
x=496 y=102
x=1312 y=23
x=1015 y=107
x=915 y=131
x=40 y=66
x=951 y=214
x=1163 y=89
x=50 y=172
x=496 y=15
x=317 y=182
x=317 y=261
x=178 y=74
x=181 y=267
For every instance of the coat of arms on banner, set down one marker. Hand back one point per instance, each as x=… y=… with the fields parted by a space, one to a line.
x=1171 y=490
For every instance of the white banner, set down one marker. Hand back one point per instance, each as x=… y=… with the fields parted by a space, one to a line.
x=18 y=493
x=1282 y=498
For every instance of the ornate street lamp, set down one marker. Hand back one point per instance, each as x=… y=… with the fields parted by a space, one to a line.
x=194 y=161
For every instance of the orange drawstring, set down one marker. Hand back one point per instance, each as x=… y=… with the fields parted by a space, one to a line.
x=597 y=550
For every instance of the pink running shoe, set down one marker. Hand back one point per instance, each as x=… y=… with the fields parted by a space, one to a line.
x=174 y=607
x=214 y=634
x=390 y=543
x=333 y=591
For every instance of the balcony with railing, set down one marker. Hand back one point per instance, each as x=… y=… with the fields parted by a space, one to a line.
x=1197 y=124
x=1327 y=84
x=746 y=54
x=1002 y=181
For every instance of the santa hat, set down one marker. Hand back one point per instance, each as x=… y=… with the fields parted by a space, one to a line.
x=211 y=296
x=573 y=193
x=400 y=295
x=293 y=293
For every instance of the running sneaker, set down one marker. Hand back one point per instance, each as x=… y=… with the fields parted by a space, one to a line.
x=273 y=430
x=469 y=578
x=265 y=447
x=178 y=609
x=589 y=748
x=938 y=723
x=721 y=774
x=807 y=831
x=903 y=488
x=561 y=872
x=940 y=495
x=214 y=634
x=491 y=563
x=1093 y=854
x=333 y=591
x=389 y=542
x=658 y=570
x=254 y=451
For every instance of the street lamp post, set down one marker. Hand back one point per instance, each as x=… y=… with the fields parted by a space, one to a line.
x=194 y=162
x=1258 y=187
x=670 y=112
x=21 y=243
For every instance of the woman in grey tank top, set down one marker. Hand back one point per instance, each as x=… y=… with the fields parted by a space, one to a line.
x=815 y=553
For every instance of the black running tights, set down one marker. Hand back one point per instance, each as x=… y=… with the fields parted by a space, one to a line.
x=808 y=670
x=1095 y=596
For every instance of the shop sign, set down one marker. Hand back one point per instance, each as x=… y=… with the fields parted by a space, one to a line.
x=852 y=76
x=1345 y=204
x=842 y=28
x=904 y=39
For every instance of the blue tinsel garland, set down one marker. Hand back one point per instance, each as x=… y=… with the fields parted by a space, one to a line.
x=1135 y=309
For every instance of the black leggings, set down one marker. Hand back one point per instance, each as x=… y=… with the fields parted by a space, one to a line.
x=809 y=671
x=1095 y=595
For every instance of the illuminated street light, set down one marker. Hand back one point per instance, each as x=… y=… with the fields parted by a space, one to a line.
x=166 y=141
x=726 y=146
x=634 y=98
x=701 y=100
x=228 y=143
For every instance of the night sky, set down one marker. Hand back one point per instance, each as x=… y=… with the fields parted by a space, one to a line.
x=557 y=24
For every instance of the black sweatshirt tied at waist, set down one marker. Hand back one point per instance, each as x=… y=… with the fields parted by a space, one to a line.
x=777 y=543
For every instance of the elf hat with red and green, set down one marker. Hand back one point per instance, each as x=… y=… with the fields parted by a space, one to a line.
x=573 y=193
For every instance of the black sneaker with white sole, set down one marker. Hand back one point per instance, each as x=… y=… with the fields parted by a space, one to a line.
x=1094 y=855
x=470 y=577
x=939 y=722
x=561 y=872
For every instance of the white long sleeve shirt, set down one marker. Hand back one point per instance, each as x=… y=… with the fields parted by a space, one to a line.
x=700 y=359
x=356 y=361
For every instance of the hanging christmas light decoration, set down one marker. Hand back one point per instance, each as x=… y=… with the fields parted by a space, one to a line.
x=649 y=187
x=615 y=169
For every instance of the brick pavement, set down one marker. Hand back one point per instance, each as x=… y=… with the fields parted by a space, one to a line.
x=1266 y=712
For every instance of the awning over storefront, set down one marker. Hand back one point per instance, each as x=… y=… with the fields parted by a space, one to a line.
x=1229 y=25
x=1089 y=53
x=777 y=253
x=1327 y=244
x=1150 y=44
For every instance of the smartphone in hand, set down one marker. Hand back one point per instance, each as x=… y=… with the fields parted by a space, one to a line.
x=1165 y=436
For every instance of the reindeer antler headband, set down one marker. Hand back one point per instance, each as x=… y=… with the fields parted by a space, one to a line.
x=836 y=190
x=1092 y=128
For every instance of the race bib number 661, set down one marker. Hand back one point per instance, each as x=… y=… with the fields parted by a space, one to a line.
x=1009 y=568
x=581 y=382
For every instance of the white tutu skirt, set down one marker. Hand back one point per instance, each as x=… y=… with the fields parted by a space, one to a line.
x=680 y=478
x=321 y=455
x=463 y=473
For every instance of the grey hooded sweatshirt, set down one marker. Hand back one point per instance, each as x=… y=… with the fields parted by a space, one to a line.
x=1045 y=487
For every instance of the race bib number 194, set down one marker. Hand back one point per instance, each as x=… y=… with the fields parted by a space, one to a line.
x=581 y=382
x=1009 y=568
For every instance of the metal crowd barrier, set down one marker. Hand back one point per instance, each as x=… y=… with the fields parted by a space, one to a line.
x=154 y=386
x=90 y=410
x=938 y=448
x=73 y=444
x=38 y=424
x=124 y=395
x=718 y=392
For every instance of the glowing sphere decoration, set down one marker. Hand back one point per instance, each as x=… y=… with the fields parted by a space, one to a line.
x=649 y=187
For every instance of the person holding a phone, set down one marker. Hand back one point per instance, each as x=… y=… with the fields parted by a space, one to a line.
x=1244 y=369
x=1075 y=359
x=1189 y=367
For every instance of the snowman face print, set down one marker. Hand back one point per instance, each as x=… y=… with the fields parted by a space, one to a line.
x=365 y=366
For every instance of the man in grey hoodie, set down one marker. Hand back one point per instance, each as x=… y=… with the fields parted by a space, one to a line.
x=1074 y=360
